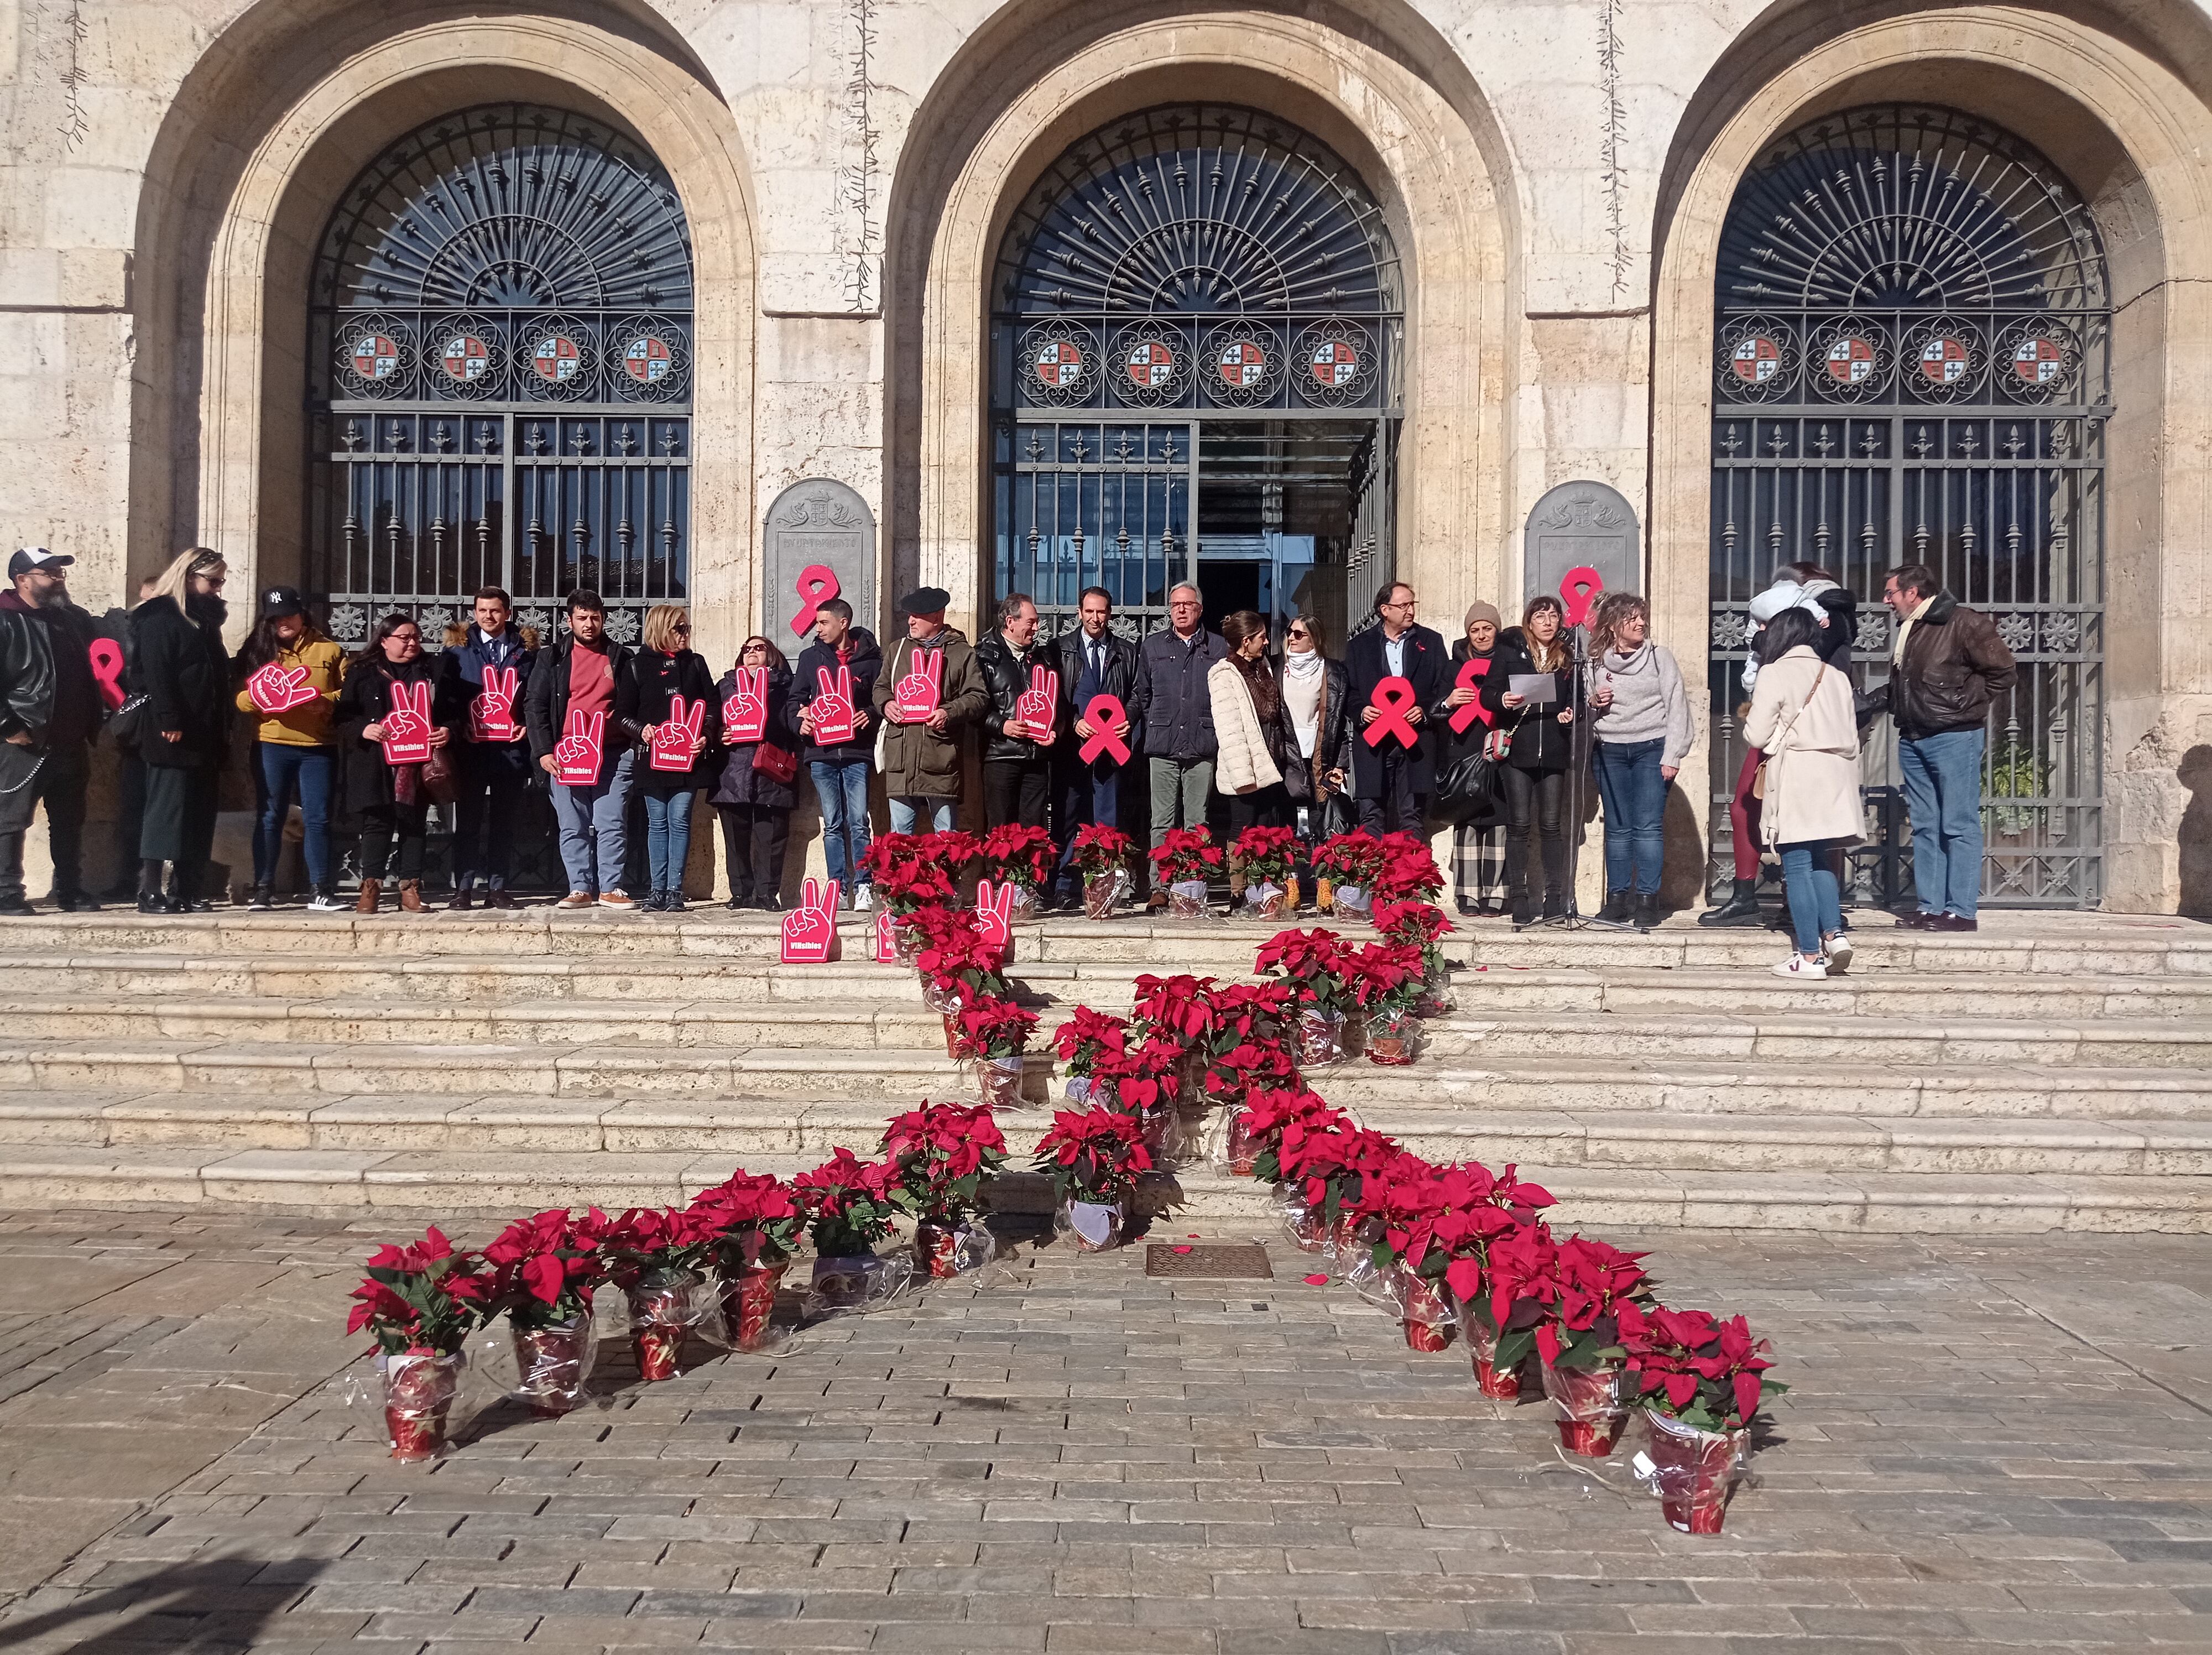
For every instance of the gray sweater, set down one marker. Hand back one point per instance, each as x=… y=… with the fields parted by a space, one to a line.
x=1648 y=702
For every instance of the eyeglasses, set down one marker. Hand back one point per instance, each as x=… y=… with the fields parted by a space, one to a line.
x=407 y=637
x=1298 y=632
x=681 y=626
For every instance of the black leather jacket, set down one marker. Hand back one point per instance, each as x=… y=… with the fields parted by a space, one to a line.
x=26 y=675
x=1124 y=676
x=1005 y=679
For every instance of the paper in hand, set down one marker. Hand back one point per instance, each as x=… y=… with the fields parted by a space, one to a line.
x=1535 y=688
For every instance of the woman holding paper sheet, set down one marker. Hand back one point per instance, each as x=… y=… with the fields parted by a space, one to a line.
x=756 y=785
x=1540 y=737
x=673 y=740
x=385 y=698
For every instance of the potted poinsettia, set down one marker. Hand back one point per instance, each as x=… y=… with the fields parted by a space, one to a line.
x=1410 y=1202
x=1184 y=860
x=1022 y=857
x=958 y=967
x=1094 y=1159
x=1700 y=1381
x=1346 y=867
x=991 y=1035
x=1266 y=1116
x=1329 y=1172
x=663 y=1260
x=1263 y=858
x=756 y=1218
x=420 y=1302
x=1420 y=924
x=1490 y=1209
x=1387 y=985
x=1102 y=855
x=1081 y=1041
x=1317 y=964
x=1408 y=870
x=1583 y=1286
x=907 y=879
x=1249 y=1047
x=1178 y=1010
x=543 y=1271
x=850 y=1209
x=942 y=1152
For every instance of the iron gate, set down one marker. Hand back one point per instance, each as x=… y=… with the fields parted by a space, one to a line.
x=1913 y=346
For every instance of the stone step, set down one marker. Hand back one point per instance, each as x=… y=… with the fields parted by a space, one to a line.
x=413 y=1185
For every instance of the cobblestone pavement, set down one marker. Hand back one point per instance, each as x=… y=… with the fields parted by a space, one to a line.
x=1992 y=1444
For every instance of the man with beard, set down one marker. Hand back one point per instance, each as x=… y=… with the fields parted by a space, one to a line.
x=50 y=710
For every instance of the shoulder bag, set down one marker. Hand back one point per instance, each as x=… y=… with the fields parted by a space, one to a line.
x=779 y=764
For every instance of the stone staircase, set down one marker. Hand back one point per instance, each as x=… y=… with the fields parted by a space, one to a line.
x=2052 y=1072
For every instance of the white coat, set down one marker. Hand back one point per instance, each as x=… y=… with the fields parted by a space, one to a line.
x=1242 y=760
x=1812 y=756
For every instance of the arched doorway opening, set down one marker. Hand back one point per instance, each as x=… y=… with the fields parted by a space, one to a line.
x=1196 y=320
x=501 y=353
x=1912 y=339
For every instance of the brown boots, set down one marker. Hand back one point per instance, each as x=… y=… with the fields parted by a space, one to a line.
x=370 y=889
x=411 y=896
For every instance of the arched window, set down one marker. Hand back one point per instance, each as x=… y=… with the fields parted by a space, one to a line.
x=1913 y=341
x=501 y=360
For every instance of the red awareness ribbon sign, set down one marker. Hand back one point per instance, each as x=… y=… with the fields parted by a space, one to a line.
x=1478 y=668
x=107 y=670
x=1578 y=590
x=1393 y=699
x=1103 y=713
x=817 y=586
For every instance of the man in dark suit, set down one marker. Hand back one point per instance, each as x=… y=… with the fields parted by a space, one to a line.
x=1091 y=661
x=1392 y=779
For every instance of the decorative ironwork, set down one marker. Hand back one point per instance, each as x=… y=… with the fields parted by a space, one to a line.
x=1912 y=366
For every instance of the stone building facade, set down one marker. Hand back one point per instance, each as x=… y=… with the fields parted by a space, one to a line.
x=388 y=300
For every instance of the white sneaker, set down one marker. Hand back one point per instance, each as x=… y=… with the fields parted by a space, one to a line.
x=1837 y=950
x=1798 y=966
x=864 y=898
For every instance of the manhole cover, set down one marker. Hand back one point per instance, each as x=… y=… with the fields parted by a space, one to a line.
x=1218 y=1262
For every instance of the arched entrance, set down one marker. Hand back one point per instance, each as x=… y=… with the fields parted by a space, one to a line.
x=1912 y=342
x=501 y=347
x=1196 y=318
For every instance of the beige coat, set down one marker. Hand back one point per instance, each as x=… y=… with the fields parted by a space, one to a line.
x=1811 y=757
x=1242 y=761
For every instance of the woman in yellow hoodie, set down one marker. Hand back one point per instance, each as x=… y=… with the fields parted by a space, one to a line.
x=288 y=673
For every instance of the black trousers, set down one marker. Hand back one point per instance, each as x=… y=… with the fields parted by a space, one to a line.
x=1398 y=809
x=382 y=826
x=1017 y=790
x=489 y=800
x=59 y=784
x=1535 y=804
x=179 y=825
x=754 y=840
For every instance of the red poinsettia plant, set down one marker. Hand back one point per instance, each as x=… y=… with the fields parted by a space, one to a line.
x=1386 y=976
x=1578 y=1287
x=1330 y=1170
x=544 y=1268
x=1248 y=1046
x=1268 y=1116
x=1014 y=855
x=1087 y=1037
x=1416 y=924
x=952 y=850
x=1098 y=849
x=1093 y=1156
x=955 y=958
x=1692 y=1367
x=1179 y=1007
x=1355 y=859
x=755 y=1218
x=849 y=1203
x=1316 y=963
x=992 y=1028
x=1185 y=854
x=1267 y=853
x=942 y=1152
x=649 y=1246
x=1142 y=1080
x=1408 y=870
x=905 y=876
x=428 y=1296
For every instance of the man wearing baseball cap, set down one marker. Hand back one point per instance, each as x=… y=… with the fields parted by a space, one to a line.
x=50 y=710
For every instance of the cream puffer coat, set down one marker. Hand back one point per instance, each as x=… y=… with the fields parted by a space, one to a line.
x=1812 y=756
x=1242 y=760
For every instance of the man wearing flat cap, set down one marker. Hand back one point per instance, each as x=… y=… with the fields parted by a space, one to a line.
x=50 y=710
x=932 y=667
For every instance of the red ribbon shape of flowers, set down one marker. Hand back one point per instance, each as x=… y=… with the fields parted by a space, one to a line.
x=1393 y=699
x=818 y=584
x=1578 y=590
x=1102 y=715
x=1470 y=671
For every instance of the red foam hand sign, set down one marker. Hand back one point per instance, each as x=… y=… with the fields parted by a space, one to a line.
x=1578 y=590
x=1105 y=714
x=107 y=670
x=1470 y=674
x=491 y=714
x=406 y=727
x=744 y=715
x=918 y=691
x=886 y=938
x=277 y=689
x=676 y=739
x=994 y=910
x=1037 y=705
x=817 y=586
x=581 y=748
x=832 y=707
x=809 y=930
x=1393 y=699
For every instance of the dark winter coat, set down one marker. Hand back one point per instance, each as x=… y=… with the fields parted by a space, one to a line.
x=1123 y=680
x=735 y=781
x=46 y=688
x=656 y=679
x=918 y=762
x=1540 y=742
x=1178 y=717
x=1007 y=680
x=363 y=699
x=1426 y=671
x=545 y=704
x=185 y=671
x=806 y=683
x=1954 y=668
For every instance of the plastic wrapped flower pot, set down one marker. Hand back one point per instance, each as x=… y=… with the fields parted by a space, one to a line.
x=1437 y=998
x=1094 y=1227
x=419 y=1388
x=1428 y=1316
x=1590 y=1406
x=1078 y=1090
x=1691 y=1471
x=907 y=940
x=553 y=1361
x=941 y=997
x=749 y=1303
x=1263 y=901
x=1244 y=1147
x=1394 y=1038
x=860 y=1283
x=1350 y=899
x=663 y=1310
x=1482 y=1346
x=1304 y=1225
x=1098 y=893
x=1186 y=899
x=998 y=1081
x=1321 y=1038
x=944 y=1252
x=1025 y=905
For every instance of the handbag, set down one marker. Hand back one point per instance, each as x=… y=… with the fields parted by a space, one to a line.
x=1758 y=776
x=779 y=764
x=1469 y=788
x=127 y=723
x=439 y=784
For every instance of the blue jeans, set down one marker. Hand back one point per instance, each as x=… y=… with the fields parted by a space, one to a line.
x=840 y=788
x=906 y=813
x=668 y=838
x=595 y=829
x=1635 y=795
x=1816 y=901
x=1089 y=794
x=280 y=769
x=1944 y=792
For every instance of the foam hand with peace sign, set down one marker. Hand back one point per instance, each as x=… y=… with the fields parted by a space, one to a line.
x=406 y=727
x=831 y=711
x=744 y=715
x=1036 y=705
x=995 y=908
x=580 y=749
x=277 y=689
x=918 y=691
x=491 y=714
x=809 y=931
x=676 y=740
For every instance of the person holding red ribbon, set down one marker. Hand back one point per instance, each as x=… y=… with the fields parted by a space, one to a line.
x=1399 y=676
x=1092 y=663
x=50 y=710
